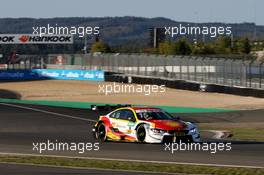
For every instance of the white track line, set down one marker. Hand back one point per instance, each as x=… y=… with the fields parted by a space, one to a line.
x=47 y=112
x=129 y=160
x=96 y=158
x=89 y=168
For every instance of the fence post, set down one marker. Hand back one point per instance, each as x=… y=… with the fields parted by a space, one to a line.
x=232 y=73
x=202 y=70
x=172 y=68
x=138 y=65
x=146 y=66
x=216 y=73
x=224 y=72
x=250 y=73
x=180 y=67
x=195 y=67
x=164 y=67
x=209 y=70
x=260 y=74
x=188 y=71
x=241 y=72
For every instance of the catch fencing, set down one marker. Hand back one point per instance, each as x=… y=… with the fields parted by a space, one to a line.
x=207 y=70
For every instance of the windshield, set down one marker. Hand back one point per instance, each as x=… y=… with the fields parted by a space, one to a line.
x=154 y=115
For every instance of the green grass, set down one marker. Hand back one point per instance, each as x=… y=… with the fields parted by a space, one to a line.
x=249 y=134
x=245 y=133
x=133 y=166
x=86 y=105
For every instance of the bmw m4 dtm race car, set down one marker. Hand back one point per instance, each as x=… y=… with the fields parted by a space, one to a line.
x=143 y=124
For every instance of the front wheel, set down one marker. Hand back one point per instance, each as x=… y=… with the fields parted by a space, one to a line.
x=141 y=133
x=101 y=132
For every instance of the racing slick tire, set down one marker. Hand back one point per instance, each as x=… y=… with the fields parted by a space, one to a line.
x=141 y=133
x=101 y=132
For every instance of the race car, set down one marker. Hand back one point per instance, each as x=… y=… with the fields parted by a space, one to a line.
x=144 y=124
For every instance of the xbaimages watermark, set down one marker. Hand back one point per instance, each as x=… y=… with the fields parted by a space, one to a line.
x=80 y=147
x=209 y=147
x=81 y=31
x=187 y=29
x=119 y=88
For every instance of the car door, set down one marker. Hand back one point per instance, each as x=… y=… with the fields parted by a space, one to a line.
x=128 y=116
x=123 y=120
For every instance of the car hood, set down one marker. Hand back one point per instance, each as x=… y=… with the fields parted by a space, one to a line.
x=169 y=124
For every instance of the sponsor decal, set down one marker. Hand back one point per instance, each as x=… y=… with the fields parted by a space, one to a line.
x=172 y=124
x=23 y=38
x=129 y=131
x=35 y=39
x=147 y=110
x=130 y=124
x=52 y=74
x=3 y=66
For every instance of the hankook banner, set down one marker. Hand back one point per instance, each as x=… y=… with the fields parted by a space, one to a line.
x=35 y=39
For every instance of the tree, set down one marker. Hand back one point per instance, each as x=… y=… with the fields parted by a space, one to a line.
x=203 y=49
x=223 y=45
x=100 y=46
x=245 y=46
x=182 y=47
x=166 y=48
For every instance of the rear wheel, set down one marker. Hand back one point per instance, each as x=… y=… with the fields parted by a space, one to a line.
x=101 y=132
x=141 y=133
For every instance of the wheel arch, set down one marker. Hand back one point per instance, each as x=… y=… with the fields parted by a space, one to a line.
x=99 y=122
x=142 y=123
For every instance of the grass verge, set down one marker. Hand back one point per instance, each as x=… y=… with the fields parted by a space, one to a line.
x=239 y=133
x=87 y=105
x=133 y=166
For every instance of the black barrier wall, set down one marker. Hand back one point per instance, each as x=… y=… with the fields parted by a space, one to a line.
x=184 y=85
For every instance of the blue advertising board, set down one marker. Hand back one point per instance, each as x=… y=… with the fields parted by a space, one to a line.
x=35 y=74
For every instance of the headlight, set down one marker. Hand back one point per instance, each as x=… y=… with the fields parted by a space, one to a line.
x=193 y=130
x=157 y=131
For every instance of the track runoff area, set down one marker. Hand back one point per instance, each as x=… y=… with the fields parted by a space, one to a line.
x=28 y=129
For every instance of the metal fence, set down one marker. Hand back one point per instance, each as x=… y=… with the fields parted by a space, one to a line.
x=223 y=71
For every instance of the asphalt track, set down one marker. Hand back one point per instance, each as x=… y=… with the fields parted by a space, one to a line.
x=15 y=169
x=21 y=125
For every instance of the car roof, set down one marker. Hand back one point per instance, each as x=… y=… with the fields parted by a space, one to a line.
x=138 y=108
x=145 y=108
